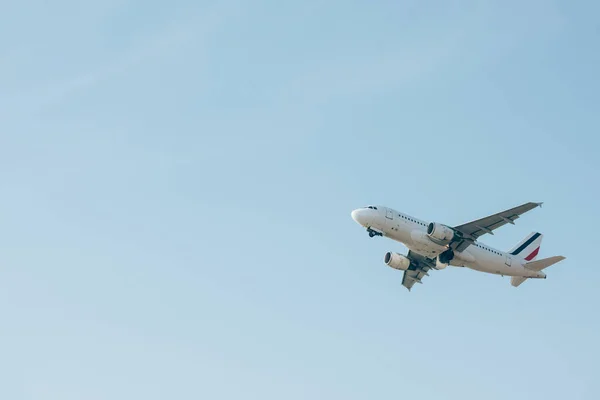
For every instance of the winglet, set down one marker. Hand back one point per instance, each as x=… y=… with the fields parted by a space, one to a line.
x=540 y=204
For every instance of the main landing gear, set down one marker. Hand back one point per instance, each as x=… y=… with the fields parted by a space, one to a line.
x=446 y=256
x=373 y=233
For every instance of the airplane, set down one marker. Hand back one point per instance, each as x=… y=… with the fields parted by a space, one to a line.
x=434 y=246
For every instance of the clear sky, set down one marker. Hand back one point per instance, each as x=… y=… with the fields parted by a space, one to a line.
x=177 y=182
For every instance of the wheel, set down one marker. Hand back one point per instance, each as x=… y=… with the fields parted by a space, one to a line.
x=371 y=233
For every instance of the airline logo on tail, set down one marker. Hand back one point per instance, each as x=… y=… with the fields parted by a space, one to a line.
x=529 y=247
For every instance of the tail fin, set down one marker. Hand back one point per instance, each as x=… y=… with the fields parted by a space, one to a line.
x=536 y=266
x=529 y=247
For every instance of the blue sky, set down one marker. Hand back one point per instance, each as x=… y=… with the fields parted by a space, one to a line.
x=178 y=181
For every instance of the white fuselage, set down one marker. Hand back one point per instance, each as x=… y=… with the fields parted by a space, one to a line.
x=412 y=232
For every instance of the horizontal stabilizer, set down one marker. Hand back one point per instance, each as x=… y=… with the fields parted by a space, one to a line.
x=536 y=266
x=543 y=263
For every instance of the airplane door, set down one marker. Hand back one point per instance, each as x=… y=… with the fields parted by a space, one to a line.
x=508 y=261
x=389 y=213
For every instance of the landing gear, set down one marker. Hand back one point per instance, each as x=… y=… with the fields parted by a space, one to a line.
x=373 y=233
x=446 y=256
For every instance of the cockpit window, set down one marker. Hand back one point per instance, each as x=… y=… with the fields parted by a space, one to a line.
x=372 y=208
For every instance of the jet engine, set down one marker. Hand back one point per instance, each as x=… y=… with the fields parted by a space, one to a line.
x=440 y=234
x=397 y=261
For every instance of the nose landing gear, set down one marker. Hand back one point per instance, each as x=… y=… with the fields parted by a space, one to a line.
x=373 y=233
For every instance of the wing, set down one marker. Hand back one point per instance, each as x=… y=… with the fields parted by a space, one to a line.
x=474 y=229
x=418 y=269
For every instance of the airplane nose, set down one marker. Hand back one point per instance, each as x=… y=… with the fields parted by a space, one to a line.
x=358 y=216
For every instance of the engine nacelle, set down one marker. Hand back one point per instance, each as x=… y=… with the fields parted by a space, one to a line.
x=439 y=233
x=397 y=261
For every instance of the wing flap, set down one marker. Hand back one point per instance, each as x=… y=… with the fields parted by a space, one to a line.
x=418 y=270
